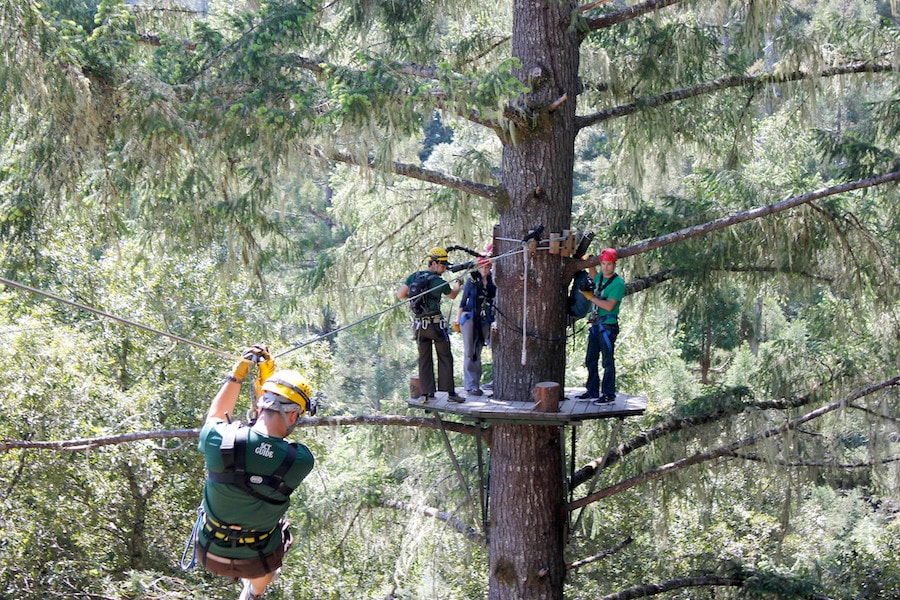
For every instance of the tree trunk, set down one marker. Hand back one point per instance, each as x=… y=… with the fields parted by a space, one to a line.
x=527 y=497
x=528 y=518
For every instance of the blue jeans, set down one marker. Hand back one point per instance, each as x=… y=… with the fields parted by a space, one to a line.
x=601 y=343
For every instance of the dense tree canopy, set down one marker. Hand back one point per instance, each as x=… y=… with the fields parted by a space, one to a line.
x=226 y=173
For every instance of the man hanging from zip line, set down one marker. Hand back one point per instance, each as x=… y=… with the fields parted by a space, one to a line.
x=252 y=470
x=424 y=290
x=606 y=296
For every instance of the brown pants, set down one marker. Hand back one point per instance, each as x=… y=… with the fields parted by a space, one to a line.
x=435 y=336
x=249 y=568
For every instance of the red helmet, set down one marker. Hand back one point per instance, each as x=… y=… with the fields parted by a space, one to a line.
x=609 y=255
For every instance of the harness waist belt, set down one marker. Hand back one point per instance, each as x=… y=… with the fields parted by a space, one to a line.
x=234 y=534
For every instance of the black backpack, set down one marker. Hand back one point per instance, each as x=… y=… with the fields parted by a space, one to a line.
x=579 y=305
x=418 y=292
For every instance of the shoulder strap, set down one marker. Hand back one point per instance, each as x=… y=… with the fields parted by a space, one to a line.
x=234 y=462
x=605 y=284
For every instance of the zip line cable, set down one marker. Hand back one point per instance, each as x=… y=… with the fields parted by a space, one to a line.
x=222 y=353
x=22 y=286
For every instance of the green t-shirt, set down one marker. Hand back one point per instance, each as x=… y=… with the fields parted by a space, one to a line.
x=439 y=287
x=614 y=290
x=228 y=505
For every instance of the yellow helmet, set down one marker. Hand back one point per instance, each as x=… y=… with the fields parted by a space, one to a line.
x=290 y=385
x=438 y=255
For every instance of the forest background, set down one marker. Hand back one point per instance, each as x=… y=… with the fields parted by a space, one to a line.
x=231 y=173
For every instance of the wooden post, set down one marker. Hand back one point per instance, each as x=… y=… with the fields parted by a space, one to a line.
x=415 y=390
x=546 y=394
x=554 y=243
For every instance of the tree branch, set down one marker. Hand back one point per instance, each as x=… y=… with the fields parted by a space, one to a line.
x=626 y=14
x=651 y=589
x=700 y=457
x=591 y=559
x=470 y=532
x=490 y=192
x=671 y=426
x=818 y=464
x=747 y=215
x=378 y=420
x=721 y=84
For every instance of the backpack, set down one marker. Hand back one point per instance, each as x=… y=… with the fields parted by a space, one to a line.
x=418 y=292
x=579 y=305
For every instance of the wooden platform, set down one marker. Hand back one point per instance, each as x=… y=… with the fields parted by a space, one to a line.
x=571 y=409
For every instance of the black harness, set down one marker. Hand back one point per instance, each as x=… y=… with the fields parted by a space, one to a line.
x=234 y=462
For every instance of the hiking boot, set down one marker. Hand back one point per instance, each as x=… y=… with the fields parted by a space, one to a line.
x=474 y=393
x=454 y=397
x=424 y=398
x=588 y=396
x=605 y=399
x=247 y=593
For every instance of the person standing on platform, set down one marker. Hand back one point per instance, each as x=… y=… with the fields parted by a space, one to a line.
x=476 y=313
x=606 y=296
x=424 y=289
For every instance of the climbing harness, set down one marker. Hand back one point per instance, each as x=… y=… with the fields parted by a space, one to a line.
x=234 y=461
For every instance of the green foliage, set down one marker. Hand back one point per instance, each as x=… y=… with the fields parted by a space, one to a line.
x=175 y=169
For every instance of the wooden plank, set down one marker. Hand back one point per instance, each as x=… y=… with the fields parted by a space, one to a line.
x=571 y=410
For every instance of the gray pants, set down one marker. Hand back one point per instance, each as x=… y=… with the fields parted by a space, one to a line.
x=472 y=345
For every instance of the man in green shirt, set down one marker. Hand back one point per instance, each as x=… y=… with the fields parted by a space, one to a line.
x=609 y=289
x=252 y=471
x=424 y=290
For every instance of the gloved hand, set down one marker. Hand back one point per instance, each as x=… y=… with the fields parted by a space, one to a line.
x=258 y=355
x=266 y=365
x=587 y=294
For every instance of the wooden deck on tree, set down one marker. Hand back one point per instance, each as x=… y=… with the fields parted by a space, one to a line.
x=571 y=409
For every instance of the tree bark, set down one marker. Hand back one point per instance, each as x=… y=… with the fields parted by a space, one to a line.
x=528 y=519
x=527 y=496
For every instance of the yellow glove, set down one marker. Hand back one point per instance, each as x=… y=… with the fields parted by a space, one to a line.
x=239 y=370
x=587 y=294
x=255 y=355
x=266 y=368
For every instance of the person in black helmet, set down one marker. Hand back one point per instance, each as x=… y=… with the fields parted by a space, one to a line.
x=252 y=470
x=429 y=326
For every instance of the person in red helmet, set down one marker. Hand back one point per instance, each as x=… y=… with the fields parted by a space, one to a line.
x=606 y=296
